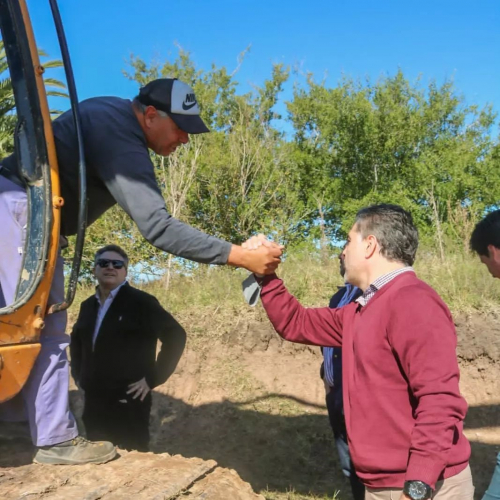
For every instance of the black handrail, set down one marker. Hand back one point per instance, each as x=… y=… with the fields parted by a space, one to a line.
x=82 y=179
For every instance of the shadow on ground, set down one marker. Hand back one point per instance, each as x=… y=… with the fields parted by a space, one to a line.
x=268 y=450
x=283 y=452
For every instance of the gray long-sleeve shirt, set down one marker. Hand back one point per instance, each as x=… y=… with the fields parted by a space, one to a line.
x=119 y=170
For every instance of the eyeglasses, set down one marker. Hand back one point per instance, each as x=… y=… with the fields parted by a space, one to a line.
x=117 y=264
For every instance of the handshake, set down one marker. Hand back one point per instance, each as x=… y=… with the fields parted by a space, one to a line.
x=260 y=255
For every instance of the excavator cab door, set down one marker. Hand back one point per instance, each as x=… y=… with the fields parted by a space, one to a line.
x=22 y=321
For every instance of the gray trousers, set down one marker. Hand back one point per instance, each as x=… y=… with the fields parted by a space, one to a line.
x=44 y=399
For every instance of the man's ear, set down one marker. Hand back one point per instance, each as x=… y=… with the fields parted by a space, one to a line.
x=494 y=253
x=371 y=246
x=150 y=114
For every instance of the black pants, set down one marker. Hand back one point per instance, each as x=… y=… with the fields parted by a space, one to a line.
x=337 y=422
x=122 y=420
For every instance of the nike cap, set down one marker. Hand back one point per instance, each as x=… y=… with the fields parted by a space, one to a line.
x=177 y=99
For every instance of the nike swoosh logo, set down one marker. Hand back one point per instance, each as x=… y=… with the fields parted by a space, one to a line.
x=185 y=106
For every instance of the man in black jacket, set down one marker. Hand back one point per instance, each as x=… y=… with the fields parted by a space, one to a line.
x=113 y=353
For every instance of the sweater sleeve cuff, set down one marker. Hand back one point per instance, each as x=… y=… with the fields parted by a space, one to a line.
x=424 y=468
x=265 y=280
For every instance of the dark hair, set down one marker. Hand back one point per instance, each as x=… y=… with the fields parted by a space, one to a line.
x=112 y=248
x=486 y=232
x=138 y=104
x=394 y=229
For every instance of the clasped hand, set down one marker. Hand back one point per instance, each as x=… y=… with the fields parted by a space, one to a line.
x=274 y=251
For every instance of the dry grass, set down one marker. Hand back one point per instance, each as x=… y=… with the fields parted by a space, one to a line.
x=462 y=281
x=291 y=495
x=209 y=300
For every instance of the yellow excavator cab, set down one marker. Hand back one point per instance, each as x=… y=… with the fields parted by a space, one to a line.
x=22 y=321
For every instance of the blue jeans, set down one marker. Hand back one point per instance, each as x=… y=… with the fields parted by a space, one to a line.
x=493 y=492
x=337 y=422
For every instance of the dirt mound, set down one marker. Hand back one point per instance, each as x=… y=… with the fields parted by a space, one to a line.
x=255 y=405
x=478 y=336
x=134 y=475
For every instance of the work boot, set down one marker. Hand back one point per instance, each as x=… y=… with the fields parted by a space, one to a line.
x=76 y=451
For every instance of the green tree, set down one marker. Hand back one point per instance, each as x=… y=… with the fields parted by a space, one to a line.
x=8 y=119
x=229 y=183
x=358 y=143
x=392 y=141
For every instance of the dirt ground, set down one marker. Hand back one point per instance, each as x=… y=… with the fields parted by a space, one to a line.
x=255 y=404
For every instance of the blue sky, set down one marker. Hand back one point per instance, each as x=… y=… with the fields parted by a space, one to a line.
x=437 y=40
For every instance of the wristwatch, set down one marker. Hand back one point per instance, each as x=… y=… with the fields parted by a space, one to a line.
x=417 y=490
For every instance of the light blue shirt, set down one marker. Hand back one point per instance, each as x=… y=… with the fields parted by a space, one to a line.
x=103 y=309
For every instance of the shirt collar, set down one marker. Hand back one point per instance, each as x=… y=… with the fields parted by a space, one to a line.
x=380 y=282
x=111 y=295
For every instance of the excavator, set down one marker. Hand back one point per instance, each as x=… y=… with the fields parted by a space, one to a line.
x=22 y=321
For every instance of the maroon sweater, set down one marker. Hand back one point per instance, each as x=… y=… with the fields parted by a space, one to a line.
x=403 y=408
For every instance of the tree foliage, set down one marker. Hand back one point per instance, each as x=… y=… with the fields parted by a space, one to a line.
x=356 y=143
x=54 y=88
x=392 y=141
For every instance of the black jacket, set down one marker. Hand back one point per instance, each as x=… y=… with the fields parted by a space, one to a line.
x=125 y=348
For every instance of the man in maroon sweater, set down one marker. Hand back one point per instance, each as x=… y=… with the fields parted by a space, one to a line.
x=403 y=408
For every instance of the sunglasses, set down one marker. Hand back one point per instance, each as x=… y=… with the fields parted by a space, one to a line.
x=117 y=264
